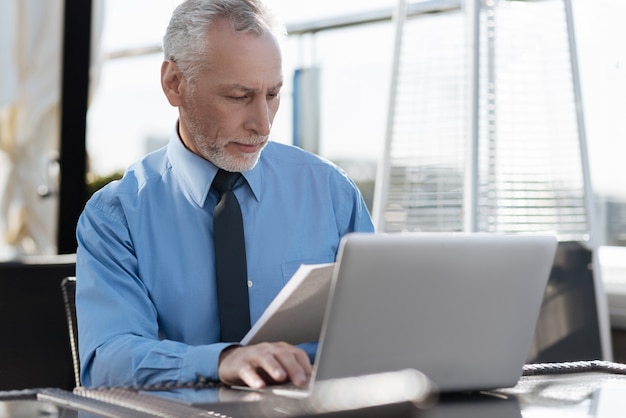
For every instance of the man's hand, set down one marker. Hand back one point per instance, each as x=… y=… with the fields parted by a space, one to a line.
x=260 y=364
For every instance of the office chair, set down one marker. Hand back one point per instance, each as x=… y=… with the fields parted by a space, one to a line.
x=68 y=288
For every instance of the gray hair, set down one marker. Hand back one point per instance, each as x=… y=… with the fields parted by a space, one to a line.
x=185 y=40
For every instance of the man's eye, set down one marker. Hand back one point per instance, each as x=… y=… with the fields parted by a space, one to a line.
x=238 y=98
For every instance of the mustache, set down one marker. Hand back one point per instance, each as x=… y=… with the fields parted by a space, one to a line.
x=256 y=140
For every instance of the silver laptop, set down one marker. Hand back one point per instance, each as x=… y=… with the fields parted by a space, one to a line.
x=460 y=308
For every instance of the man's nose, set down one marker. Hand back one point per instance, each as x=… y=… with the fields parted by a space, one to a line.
x=260 y=117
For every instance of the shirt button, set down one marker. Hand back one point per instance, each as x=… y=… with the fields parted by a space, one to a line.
x=249 y=283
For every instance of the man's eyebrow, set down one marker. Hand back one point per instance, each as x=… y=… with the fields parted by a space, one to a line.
x=247 y=89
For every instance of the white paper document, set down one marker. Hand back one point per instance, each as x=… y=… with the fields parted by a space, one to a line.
x=297 y=313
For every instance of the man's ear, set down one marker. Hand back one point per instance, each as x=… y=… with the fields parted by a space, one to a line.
x=171 y=82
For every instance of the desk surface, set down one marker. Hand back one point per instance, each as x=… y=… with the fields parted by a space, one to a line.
x=579 y=394
x=589 y=394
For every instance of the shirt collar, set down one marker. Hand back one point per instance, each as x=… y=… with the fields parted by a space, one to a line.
x=198 y=173
x=254 y=178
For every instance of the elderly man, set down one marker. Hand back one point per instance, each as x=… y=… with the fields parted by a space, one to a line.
x=149 y=302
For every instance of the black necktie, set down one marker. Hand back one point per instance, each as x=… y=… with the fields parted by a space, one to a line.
x=230 y=260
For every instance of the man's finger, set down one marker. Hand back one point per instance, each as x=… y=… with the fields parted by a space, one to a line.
x=250 y=377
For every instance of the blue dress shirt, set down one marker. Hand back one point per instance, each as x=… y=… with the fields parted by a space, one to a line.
x=146 y=295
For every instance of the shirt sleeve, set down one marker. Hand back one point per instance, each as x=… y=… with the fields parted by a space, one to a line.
x=119 y=340
x=351 y=212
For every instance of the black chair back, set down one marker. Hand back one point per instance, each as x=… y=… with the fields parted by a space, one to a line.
x=35 y=347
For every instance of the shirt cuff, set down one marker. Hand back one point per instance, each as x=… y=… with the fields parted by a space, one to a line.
x=202 y=362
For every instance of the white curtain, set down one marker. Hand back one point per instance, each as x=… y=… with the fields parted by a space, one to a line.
x=30 y=85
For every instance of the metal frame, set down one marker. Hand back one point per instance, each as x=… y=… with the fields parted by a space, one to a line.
x=470 y=210
x=590 y=202
x=74 y=94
